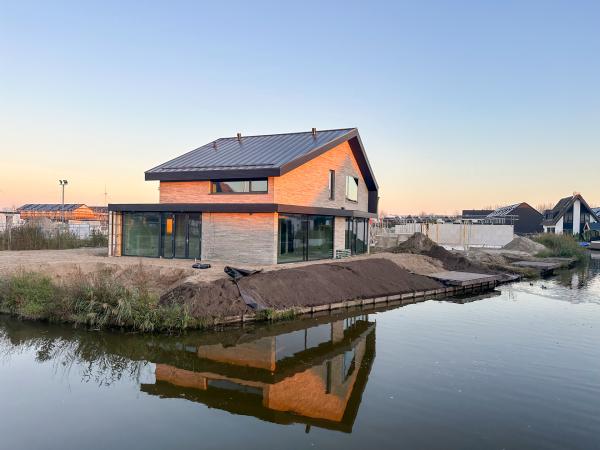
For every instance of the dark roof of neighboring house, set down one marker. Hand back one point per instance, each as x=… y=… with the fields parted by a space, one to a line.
x=260 y=156
x=562 y=207
x=596 y=211
x=508 y=210
x=49 y=207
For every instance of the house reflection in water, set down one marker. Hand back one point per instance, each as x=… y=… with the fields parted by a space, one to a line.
x=314 y=375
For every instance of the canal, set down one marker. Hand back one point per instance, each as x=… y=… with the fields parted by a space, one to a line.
x=517 y=368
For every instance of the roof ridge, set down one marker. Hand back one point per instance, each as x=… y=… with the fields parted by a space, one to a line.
x=282 y=134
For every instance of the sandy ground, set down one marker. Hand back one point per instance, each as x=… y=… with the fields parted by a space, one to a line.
x=62 y=263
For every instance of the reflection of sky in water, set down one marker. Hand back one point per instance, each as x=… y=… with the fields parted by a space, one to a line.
x=578 y=286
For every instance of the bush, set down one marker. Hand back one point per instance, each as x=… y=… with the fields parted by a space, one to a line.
x=97 y=300
x=560 y=245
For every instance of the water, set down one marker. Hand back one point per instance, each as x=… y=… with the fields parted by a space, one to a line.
x=518 y=369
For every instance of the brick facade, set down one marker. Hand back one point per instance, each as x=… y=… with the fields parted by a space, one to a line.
x=245 y=238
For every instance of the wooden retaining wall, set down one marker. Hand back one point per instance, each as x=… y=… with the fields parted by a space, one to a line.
x=367 y=303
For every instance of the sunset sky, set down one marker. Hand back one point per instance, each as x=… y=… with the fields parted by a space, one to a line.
x=459 y=104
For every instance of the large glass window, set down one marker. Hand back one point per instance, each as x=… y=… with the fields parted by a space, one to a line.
x=357 y=235
x=352 y=188
x=320 y=237
x=240 y=186
x=141 y=234
x=292 y=235
x=305 y=237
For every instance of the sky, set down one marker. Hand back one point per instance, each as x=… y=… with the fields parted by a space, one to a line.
x=459 y=104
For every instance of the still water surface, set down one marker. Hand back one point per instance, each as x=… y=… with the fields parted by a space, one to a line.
x=516 y=369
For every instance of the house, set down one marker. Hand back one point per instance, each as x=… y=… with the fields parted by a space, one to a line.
x=571 y=215
x=525 y=218
x=56 y=211
x=314 y=376
x=255 y=199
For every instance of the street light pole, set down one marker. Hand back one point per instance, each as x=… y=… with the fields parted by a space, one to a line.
x=63 y=183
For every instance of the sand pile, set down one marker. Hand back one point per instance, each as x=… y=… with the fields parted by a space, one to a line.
x=421 y=244
x=523 y=244
x=312 y=285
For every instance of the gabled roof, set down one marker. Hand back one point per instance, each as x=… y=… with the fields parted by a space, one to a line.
x=260 y=156
x=508 y=210
x=563 y=205
x=596 y=211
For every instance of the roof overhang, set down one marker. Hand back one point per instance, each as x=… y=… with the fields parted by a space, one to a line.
x=237 y=208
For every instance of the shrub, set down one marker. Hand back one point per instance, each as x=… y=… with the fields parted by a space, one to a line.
x=560 y=245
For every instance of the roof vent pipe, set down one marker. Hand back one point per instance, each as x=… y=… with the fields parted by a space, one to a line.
x=215 y=145
x=314 y=131
x=239 y=137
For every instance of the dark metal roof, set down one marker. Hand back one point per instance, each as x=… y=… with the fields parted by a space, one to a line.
x=49 y=207
x=504 y=211
x=259 y=156
x=596 y=211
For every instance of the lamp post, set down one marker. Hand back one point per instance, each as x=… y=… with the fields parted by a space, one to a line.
x=63 y=183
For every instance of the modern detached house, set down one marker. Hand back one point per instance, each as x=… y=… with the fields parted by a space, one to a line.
x=255 y=199
x=571 y=215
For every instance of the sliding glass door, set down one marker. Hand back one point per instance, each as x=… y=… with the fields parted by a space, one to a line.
x=167 y=235
x=357 y=235
x=304 y=237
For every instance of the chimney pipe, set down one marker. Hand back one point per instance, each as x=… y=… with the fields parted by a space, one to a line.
x=314 y=131
x=239 y=137
x=215 y=145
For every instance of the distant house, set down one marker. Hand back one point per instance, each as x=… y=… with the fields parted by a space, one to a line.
x=525 y=218
x=571 y=215
x=255 y=199
x=56 y=211
x=596 y=211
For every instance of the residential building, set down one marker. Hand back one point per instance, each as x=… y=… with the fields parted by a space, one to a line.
x=525 y=218
x=571 y=215
x=57 y=211
x=255 y=199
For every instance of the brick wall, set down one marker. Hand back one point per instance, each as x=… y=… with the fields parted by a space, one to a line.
x=240 y=237
x=199 y=192
x=339 y=234
x=307 y=185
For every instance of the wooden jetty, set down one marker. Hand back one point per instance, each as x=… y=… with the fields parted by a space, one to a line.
x=464 y=279
x=545 y=268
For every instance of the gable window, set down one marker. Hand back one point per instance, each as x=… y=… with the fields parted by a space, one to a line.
x=332 y=185
x=351 y=188
x=259 y=186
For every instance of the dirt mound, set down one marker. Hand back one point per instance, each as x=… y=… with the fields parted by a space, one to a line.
x=421 y=244
x=523 y=244
x=312 y=285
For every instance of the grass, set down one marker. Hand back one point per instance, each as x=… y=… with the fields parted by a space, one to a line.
x=560 y=245
x=97 y=301
x=32 y=237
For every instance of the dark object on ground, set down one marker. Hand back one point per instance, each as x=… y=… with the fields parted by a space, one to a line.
x=420 y=244
x=236 y=273
x=200 y=266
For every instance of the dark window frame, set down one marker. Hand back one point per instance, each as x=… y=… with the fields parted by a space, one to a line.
x=332 y=185
x=250 y=181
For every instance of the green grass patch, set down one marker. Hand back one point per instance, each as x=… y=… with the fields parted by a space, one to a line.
x=560 y=245
x=32 y=237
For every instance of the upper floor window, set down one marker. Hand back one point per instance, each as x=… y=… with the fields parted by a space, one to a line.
x=332 y=185
x=352 y=188
x=259 y=186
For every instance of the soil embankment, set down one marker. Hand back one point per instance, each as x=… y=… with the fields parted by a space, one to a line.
x=312 y=285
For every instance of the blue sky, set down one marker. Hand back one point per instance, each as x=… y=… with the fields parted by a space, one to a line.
x=459 y=104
